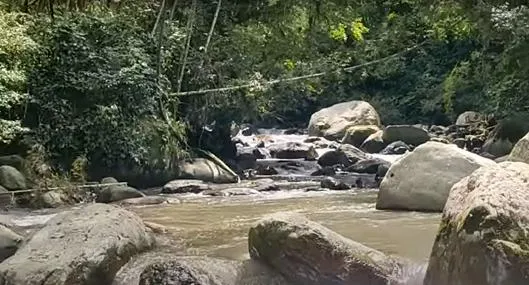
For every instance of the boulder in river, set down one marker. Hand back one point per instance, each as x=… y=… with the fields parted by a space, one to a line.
x=374 y=143
x=290 y=150
x=483 y=236
x=114 y=193
x=167 y=269
x=83 y=246
x=398 y=147
x=409 y=134
x=9 y=242
x=520 y=152
x=205 y=170
x=369 y=165
x=468 y=118
x=11 y=178
x=310 y=254
x=334 y=184
x=334 y=121
x=356 y=135
x=185 y=186
x=421 y=179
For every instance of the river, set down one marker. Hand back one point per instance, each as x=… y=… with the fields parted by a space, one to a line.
x=218 y=226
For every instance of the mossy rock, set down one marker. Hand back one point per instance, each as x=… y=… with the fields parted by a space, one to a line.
x=483 y=237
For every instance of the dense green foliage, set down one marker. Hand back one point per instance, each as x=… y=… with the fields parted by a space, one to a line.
x=102 y=79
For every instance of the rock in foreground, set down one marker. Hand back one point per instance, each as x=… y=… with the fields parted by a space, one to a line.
x=421 y=180
x=310 y=254
x=483 y=234
x=85 y=246
x=9 y=242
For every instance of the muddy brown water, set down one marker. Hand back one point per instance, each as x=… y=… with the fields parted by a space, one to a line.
x=218 y=226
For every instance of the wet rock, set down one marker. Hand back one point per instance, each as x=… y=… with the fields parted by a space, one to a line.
x=266 y=170
x=325 y=171
x=333 y=122
x=240 y=191
x=406 y=133
x=9 y=242
x=460 y=142
x=520 y=152
x=114 y=193
x=356 y=135
x=166 y=269
x=12 y=179
x=398 y=147
x=346 y=155
x=421 y=179
x=374 y=143
x=483 y=234
x=141 y=201
x=368 y=165
x=205 y=170
x=334 y=184
x=289 y=150
x=185 y=186
x=310 y=254
x=468 y=118
x=288 y=167
x=83 y=246
x=382 y=171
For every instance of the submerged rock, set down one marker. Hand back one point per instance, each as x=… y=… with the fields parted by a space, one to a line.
x=166 y=269
x=310 y=254
x=83 y=246
x=483 y=234
x=333 y=122
x=421 y=179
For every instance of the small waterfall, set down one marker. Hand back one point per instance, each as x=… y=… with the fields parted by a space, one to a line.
x=413 y=274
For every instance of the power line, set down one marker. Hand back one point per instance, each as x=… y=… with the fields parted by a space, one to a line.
x=291 y=79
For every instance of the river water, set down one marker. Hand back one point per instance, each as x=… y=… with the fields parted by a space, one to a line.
x=218 y=226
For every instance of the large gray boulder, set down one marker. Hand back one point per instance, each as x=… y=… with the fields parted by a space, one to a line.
x=115 y=193
x=310 y=254
x=205 y=170
x=334 y=121
x=85 y=246
x=483 y=236
x=520 y=152
x=421 y=179
x=165 y=269
x=11 y=178
x=9 y=242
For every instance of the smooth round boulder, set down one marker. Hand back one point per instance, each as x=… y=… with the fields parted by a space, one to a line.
x=468 y=118
x=115 y=193
x=11 y=178
x=205 y=170
x=520 y=152
x=421 y=179
x=310 y=254
x=356 y=135
x=85 y=246
x=332 y=122
x=483 y=237
x=408 y=134
x=185 y=186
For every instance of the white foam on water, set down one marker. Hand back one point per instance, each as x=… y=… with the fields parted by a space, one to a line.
x=32 y=220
